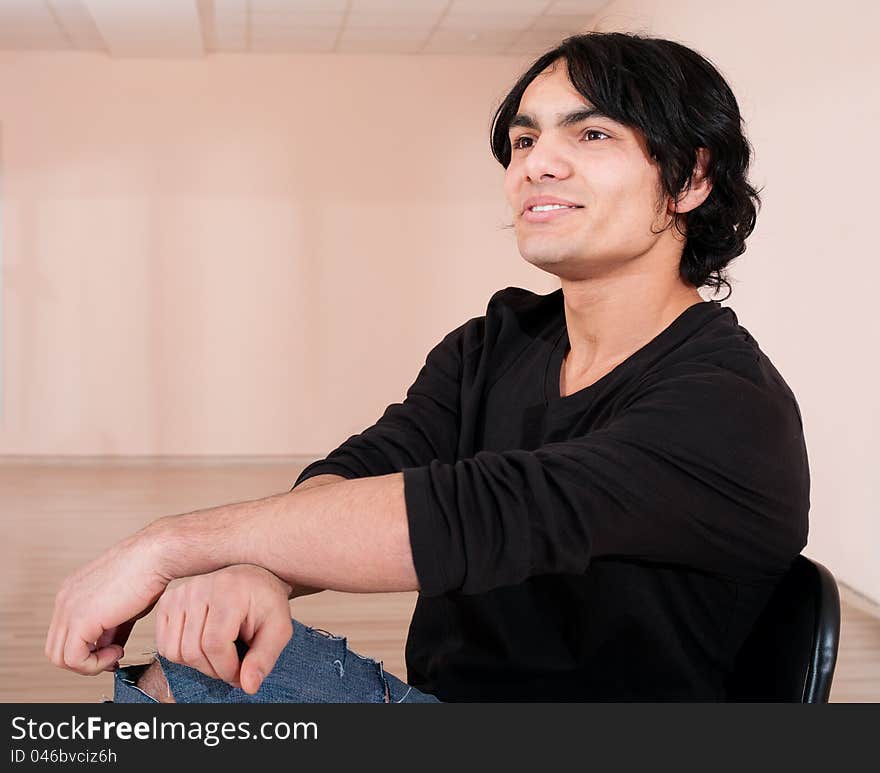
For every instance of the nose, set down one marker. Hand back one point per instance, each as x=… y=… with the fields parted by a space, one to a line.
x=546 y=160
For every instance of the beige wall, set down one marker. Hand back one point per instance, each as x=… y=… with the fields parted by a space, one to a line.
x=253 y=255
x=806 y=76
x=243 y=255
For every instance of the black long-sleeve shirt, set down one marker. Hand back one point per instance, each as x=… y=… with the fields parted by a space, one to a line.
x=613 y=544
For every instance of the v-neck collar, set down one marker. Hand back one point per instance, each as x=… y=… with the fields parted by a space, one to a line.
x=562 y=344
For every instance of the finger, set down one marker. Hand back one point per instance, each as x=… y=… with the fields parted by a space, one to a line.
x=161 y=631
x=48 y=645
x=84 y=657
x=191 y=643
x=58 y=648
x=169 y=645
x=117 y=636
x=104 y=644
x=268 y=641
x=80 y=651
x=218 y=643
x=55 y=643
x=56 y=636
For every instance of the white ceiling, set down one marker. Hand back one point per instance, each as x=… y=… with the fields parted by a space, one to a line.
x=195 y=28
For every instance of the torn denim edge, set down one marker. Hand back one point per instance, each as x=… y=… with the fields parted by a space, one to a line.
x=122 y=673
x=340 y=664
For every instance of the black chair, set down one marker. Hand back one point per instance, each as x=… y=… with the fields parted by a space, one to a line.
x=790 y=654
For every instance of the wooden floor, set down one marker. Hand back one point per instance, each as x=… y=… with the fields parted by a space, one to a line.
x=57 y=516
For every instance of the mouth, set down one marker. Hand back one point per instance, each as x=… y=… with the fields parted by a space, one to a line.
x=547 y=214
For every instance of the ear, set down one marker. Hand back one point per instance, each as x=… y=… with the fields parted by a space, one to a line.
x=698 y=189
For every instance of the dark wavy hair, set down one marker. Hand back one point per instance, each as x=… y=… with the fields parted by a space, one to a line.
x=680 y=102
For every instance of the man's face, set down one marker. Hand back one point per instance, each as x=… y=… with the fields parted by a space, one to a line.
x=593 y=162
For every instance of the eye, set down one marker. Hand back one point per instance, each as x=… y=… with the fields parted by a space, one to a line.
x=594 y=131
x=517 y=143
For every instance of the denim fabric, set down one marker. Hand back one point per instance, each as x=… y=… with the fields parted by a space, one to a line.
x=314 y=667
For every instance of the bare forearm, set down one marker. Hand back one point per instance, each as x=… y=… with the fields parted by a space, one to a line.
x=350 y=536
x=318 y=480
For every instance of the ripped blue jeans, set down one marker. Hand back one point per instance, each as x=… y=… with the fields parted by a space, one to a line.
x=314 y=667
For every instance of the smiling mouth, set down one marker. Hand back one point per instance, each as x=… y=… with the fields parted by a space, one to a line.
x=550 y=207
x=543 y=215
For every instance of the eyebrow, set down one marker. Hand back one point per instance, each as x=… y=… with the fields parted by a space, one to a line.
x=564 y=119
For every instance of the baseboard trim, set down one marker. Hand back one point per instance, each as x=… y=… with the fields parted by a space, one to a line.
x=860 y=601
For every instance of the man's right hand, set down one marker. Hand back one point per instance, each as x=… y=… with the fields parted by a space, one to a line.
x=199 y=620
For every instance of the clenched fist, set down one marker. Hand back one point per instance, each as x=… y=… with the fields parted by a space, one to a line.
x=199 y=620
x=98 y=604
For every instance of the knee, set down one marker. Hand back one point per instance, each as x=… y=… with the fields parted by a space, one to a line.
x=153 y=682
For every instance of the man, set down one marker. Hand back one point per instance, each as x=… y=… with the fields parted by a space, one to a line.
x=594 y=491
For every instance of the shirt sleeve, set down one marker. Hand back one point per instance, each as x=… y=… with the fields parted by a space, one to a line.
x=703 y=469
x=424 y=427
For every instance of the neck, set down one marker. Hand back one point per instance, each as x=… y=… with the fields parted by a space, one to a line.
x=609 y=318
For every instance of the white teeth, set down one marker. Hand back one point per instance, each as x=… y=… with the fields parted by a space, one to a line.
x=548 y=207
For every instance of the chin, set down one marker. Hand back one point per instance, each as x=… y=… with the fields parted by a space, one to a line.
x=539 y=251
x=544 y=260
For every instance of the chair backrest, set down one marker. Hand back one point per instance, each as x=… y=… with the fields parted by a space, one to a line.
x=790 y=654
